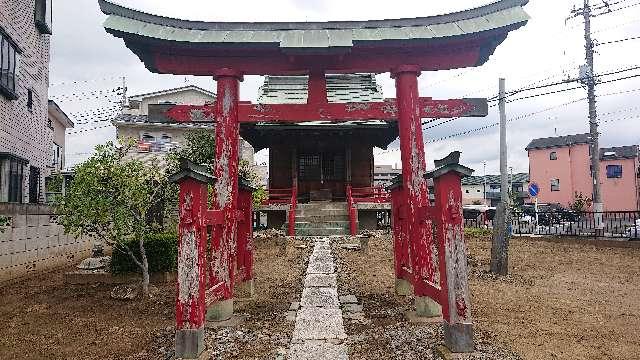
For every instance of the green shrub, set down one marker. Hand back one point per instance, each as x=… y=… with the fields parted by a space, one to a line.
x=477 y=232
x=161 y=249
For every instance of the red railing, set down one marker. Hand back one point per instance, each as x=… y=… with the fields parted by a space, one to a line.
x=353 y=212
x=285 y=196
x=292 y=211
x=374 y=194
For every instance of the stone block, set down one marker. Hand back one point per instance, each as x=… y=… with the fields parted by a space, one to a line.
x=348 y=299
x=316 y=350
x=32 y=221
x=294 y=306
x=43 y=242
x=189 y=343
x=320 y=268
x=291 y=315
x=320 y=280
x=43 y=253
x=18 y=258
x=17 y=246
x=458 y=337
x=32 y=232
x=6 y=234
x=427 y=307
x=403 y=287
x=53 y=240
x=19 y=221
x=5 y=261
x=220 y=310
x=320 y=297
x=244 y=289
x=352 y=308
x=318 y=324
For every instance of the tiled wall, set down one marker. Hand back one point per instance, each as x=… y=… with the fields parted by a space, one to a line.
x=35 y=243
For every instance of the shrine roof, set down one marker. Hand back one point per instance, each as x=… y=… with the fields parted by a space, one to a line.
x=486 y=27
x=340 y=89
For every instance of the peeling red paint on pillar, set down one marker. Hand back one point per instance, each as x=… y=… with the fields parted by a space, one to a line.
x=245 y=236
x=454 y=282
x=192 y=238
x=402 y=259
x=223 y=260
x=415 y=190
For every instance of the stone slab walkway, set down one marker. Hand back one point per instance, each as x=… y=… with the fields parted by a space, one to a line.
x=319 y=330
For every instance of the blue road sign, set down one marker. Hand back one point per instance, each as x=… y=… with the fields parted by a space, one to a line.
x=534 y=189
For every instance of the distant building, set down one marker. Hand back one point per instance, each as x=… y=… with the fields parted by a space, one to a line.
x=561 y=167
x=157 y=137
x=383 y=174
x=26 y=137
x=485 y=190
x=58 y=122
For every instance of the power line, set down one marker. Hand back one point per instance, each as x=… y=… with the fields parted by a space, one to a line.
x=617 y=41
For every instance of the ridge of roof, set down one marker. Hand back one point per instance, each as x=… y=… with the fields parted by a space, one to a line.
x=65 y=118
x=619 y=152
x=109 y=7
x=173 y=90
x=558 y=141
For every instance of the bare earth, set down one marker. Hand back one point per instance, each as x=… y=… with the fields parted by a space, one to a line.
x=563 y=300
x=42 y=318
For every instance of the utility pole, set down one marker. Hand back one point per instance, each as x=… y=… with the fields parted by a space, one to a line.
x=484 y=182
x=500 y=246
x=589 y=80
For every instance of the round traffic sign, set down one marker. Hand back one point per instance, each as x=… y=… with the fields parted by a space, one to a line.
x=534 y=189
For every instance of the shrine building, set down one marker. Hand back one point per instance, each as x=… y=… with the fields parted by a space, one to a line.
x=322 y=158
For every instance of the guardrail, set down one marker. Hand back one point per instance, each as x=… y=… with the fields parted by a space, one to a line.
x=610 y=224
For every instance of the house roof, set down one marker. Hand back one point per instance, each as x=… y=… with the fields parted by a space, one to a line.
x=484 y=28
x=140 y=97
x=617 y=153
x=558 y=141
x=494 y=179
x=61 y=115
x=142 y=121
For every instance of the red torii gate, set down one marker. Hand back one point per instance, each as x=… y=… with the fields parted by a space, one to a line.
x=228 y=51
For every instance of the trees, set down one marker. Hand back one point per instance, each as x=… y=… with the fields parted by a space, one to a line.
x=109 y=199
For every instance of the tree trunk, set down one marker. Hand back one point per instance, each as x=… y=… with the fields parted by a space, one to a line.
x=145 y=270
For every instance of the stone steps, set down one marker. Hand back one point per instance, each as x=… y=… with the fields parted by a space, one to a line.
x=322 y=219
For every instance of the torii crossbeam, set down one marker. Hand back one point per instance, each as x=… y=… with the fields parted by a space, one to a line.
x=403 y=47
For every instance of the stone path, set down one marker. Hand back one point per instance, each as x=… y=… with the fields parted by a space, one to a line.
x=319 y=330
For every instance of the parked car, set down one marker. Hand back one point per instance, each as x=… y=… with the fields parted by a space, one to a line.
x=633 y=233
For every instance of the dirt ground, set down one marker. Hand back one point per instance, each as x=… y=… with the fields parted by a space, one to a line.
x=563 y=300
x=42 y=318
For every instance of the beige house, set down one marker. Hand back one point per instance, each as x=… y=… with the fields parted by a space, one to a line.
x=156 y=138
x=25 y=139
x=31 y=145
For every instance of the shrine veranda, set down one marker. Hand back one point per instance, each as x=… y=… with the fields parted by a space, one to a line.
x=403 y=47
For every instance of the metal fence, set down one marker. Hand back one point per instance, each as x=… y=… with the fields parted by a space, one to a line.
x=611 y=224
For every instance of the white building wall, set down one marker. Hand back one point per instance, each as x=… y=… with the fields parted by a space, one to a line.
x=24 y=132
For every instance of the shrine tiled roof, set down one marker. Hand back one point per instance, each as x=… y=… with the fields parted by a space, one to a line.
x=340 y=89
x=315 y=34
x=456 y=40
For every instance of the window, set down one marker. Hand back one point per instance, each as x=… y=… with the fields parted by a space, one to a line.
x=30 y=99
x=43 y=16
x=34 y=185
x=55 y=157
x=12 y=177
x=555 y=184
x=309 y=167
x=553 y=156
x=466 y=191
x=148 y=138
x=614 y=171
x=50 y=123
x=9 y=65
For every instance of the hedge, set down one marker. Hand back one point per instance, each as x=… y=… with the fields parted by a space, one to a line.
x=161 y=250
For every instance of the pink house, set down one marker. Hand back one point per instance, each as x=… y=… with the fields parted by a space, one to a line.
x=561 y=167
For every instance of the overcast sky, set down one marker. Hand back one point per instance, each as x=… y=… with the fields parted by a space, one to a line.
x=85 y=59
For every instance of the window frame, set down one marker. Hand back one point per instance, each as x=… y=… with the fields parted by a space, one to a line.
x=43 y=16
x=12 y=51
x=553 y=155
x=612 y=175
x=556 y=186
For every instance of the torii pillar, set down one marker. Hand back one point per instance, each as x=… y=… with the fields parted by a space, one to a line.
x=223 y=262
x=416 y=194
